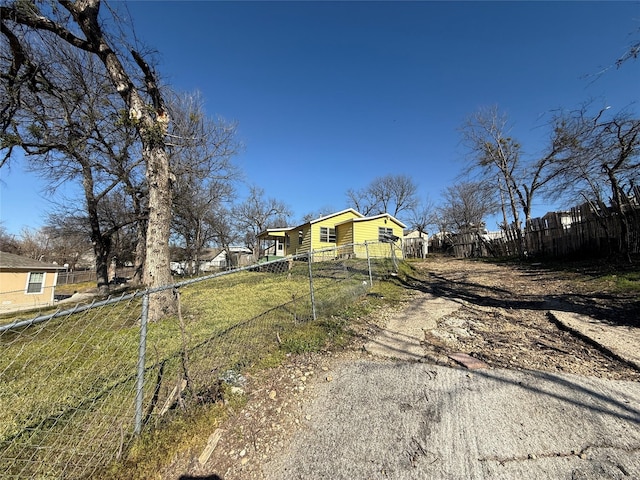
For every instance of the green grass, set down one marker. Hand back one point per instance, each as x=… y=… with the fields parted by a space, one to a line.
x=181 y=433
x=71 y=288
x=74 y=377
x=624 y=281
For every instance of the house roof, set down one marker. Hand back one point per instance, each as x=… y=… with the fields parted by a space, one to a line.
x=320 y=219
x=9 y=261
x=270 y=233
x=415 y=234
x=210 y=253
x=382 y=215
x=276 y=230
x=239 y=249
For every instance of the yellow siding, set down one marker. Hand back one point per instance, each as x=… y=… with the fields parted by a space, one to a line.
x=352 y=228
x=296 y=246
x=330 y=222
x=344 y=236
x=344 y=233
x=13 y=289
x=367 y=231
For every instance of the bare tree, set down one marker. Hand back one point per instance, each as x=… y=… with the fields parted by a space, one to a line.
x=423 y=215
x=466 y=205
x=79 y=24
x=493 y=151
x=35 y=244
x=224 y=233
x=256 y=214
x=72 y=132
x=600 y=158
x=363 y=201
x=8 y=243
x=68 y=238
x=632 y=51
x=391 y=194
x=497 y=157
x=201 y=152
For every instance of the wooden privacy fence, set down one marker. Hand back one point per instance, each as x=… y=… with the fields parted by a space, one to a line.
x=588 y=229
x=81 y=276
x=78 y=276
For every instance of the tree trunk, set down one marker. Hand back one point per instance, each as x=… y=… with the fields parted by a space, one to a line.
x=141 y=238
x=157 y=271
x=101 y=249
x=516 y=217
x=150 y=121
x=101 y=243
x=141 y=244
x=151 y=125
x=618 y=208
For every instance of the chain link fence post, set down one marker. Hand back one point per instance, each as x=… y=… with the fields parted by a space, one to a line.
x=141 y=359
x=393 y=256
x=313 y=300
x=366 y=247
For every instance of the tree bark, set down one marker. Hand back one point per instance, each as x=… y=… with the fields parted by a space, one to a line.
x=150 y=122
x=101 y=243
x=151 y=128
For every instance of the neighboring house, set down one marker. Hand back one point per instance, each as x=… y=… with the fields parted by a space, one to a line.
x=416 y=244
x=346 y=229
x=560 y=220
x=214 y=259
x=275 y=237
x=25 y=282
x=217 y=259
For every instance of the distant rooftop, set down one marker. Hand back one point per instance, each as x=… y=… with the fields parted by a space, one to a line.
x=11 y=261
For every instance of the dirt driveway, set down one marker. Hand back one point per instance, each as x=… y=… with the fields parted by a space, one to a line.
x=503 y=318
x=550 y=405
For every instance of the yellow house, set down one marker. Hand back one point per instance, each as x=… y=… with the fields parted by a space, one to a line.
x=25 y=282
x=384 y=229
x=277 y=247
x=341 y=229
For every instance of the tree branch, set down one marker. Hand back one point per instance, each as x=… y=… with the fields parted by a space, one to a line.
x=39 y=22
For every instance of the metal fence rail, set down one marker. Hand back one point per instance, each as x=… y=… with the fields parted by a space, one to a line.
x=77 y=386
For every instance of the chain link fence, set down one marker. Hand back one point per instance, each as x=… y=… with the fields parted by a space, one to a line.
x=77 y=386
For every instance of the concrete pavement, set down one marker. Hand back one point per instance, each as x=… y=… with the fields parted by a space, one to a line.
x=399 y=420
x=621 y=341
x=392 y=417
x=401 y=339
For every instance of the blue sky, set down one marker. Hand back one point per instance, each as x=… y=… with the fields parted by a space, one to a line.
x=330 y=95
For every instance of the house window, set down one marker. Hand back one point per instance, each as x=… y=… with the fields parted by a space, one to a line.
x=35 y=284
x=300 y=237
x=287 y=240
x=383 y=232
x=327 y=234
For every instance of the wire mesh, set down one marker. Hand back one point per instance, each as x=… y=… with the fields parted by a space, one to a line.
x=67 y=382
x=68 y=379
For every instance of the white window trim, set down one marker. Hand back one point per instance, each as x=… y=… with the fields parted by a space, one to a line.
x=329 y=235
x=385 y=231
x=44 y=282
